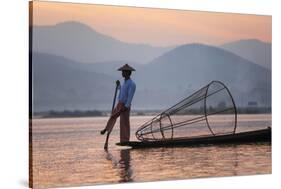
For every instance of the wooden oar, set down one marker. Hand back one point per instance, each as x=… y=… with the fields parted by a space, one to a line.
x=115 y=93
x=113 y=104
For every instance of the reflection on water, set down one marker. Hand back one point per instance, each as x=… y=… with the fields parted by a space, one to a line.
x=122 y=165
x=69 y=152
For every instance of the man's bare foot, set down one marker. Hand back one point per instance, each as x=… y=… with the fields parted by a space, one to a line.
x=102 y=131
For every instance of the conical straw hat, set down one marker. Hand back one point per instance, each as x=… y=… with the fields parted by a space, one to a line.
x=126 y=67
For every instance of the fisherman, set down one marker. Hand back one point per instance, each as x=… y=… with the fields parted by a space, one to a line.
x=123 y=107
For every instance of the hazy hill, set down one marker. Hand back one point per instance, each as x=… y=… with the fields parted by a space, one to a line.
x=186 y=68
x=81 y=43
x=60 y=83
x=254 y=50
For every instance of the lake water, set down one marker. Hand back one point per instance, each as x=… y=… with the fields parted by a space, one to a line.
x=69 y=152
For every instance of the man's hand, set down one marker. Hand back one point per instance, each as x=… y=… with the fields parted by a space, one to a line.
x=117 y=82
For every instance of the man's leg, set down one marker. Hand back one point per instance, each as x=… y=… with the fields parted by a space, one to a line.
x=110 y=124
x=112 y=120
x=125 y=126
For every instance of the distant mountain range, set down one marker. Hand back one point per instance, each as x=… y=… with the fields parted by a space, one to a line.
x=61 y=82
x=254 y=50
x=58 y=85
x=80 y=42
x=185 y=69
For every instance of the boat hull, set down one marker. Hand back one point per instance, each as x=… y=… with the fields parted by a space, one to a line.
x=263 y=135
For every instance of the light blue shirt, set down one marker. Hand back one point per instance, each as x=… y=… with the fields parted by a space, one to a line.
x=126 y=93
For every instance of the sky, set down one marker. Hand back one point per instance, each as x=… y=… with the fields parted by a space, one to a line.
x=157 y=27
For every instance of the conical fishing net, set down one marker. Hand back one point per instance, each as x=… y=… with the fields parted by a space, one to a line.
x=210 y=111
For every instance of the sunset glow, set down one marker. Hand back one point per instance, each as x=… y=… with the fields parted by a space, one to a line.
x=157 y=27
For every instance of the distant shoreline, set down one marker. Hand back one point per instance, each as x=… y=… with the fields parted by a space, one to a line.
x=98 y=113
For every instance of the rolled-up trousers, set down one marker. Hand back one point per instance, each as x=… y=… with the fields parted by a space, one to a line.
x=124 y=122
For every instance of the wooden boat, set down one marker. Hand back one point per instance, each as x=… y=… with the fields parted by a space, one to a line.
x=199 y=109
x=263 y=135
